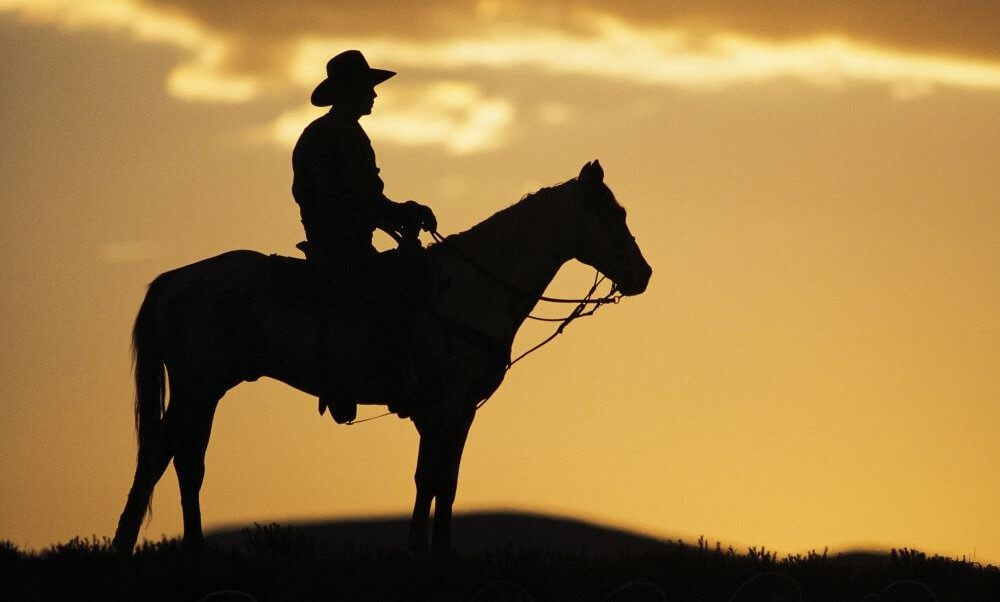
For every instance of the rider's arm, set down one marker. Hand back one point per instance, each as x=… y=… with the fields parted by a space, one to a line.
x=402 y=217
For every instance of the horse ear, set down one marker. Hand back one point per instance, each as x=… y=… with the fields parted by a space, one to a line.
x=592 y=172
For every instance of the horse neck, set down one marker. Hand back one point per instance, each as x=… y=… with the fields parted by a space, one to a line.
x=513 y=256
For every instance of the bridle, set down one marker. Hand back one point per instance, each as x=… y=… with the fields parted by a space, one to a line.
x=585 y=306
x=580 y=311
x=612 y=297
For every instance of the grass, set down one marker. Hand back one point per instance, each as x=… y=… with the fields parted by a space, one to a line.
x=283 y=563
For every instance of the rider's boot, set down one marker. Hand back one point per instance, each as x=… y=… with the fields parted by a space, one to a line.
x=341 y=410
x=407 y=389
x=335 y=393
x=338 y=386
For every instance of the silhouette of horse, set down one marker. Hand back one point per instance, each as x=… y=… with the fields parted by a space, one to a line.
x=211 y=325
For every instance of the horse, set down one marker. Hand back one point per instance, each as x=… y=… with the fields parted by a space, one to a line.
x=206 y=327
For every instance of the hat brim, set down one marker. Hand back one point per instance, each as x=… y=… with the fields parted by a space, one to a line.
x=324 y=93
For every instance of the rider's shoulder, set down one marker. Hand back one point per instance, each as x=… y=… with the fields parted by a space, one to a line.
x=320 y=133
x=323 y=122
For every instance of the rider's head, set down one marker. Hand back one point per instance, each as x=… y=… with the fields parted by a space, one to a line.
x=354 y=101
x=349 y=85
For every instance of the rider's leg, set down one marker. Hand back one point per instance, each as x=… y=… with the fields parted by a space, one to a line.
x=331 y=290
x=405 y=292
x=370 y=303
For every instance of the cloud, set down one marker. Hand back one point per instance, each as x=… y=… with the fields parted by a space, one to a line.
x=503 y=36
x=240 y=53
x=456 y=116
x=608 y=48
x=204 y=76
x=553 y=112
x=966 y=28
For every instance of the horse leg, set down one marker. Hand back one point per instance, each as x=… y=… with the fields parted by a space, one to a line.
x=152 y=462
x=441 y=443
x=450 y=458
x=192 y=426
x=418 y=541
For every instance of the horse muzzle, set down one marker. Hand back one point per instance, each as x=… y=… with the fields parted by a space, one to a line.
x=634 y=279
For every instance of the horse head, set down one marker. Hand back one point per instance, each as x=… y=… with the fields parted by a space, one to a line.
x=603 y=240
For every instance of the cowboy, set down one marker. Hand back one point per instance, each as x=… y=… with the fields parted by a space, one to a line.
x=340 y=194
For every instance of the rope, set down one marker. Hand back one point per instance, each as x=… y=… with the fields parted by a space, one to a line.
x=353 y=422
x=611 y=297
x=580 y=311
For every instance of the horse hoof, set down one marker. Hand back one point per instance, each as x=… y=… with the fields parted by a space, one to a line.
x=121 y=550
x=193 y=545
x=122 y=547
x=418 y=546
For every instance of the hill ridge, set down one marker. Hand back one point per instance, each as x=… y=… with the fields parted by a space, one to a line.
x=473 y=531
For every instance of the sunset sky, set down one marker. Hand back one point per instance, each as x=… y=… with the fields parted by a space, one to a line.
x=816 y=186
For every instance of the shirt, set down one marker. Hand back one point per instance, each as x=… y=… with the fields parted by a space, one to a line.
x=337 y=185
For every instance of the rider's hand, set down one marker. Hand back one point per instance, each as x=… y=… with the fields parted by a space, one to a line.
x=420 y=215
x=428 y=221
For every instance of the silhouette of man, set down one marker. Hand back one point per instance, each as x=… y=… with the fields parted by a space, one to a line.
x=341 y=200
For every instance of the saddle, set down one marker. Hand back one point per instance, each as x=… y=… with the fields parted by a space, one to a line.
x=292 y=283
x=364 y=328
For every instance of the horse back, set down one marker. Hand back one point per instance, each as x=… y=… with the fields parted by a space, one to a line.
x=291 y=282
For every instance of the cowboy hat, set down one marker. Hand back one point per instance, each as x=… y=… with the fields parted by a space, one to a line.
x=346 y=70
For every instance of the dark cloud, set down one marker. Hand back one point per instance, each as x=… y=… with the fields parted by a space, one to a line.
x=261 y=33
x=279 y=18
x=966 y=28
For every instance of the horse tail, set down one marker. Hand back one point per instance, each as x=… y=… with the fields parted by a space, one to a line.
x=150 y=378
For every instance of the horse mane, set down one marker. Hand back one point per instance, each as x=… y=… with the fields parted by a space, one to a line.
x=514 y=212
x=524 y=208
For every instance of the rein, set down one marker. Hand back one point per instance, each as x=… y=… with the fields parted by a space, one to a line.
x=612 y=297
x=580 y=311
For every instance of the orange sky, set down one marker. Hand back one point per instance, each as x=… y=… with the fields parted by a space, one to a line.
x=814 y=363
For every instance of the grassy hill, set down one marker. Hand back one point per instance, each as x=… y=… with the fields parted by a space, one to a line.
x=552 y=558
x=473 y=533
